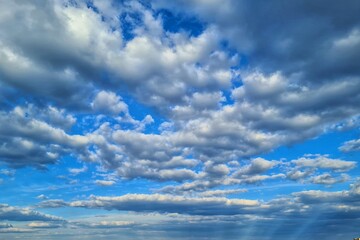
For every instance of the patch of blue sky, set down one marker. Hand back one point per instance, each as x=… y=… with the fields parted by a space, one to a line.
x=129 y=21
x=181 y=22
x=139 y=111
x=327 y=143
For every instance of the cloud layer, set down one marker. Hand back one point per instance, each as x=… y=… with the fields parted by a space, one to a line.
x=183 y=112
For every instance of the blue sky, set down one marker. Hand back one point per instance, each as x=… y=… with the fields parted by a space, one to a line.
x=183 y=119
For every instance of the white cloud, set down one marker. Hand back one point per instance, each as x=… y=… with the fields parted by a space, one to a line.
x=105 y=224
x=29 y=141
x=352 y=145
x=257 y=166
x=239 y=88
x=43 y=225
x=7 y=172
x=328 y=179
x=109 y=102
x=5 y=225
x=167 y=203
x=321 y=161
x=42 y=197
x=219 y=193
x=10 y=213
x=104 y=182
x=77 y=171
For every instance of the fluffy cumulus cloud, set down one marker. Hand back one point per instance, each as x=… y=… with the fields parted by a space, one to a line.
x=186 y=111
x=319 y=161
x=108 y=102
x=184 y=77
x=30 y=138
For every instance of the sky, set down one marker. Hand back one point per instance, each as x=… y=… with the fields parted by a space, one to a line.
x=182 y=119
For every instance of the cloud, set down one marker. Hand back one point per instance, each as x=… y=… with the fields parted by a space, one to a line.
x=219 y=193
x=165 y=204
x=294 y=46
x=277 y=103
x=320 y=161
x=15 y=230
x=30 y=141
x=9 y=213
x=5 y=225
x=301 y=204
x=52 y=203
x=216 y=170
x=105 y=224
x=42 y=197
x=277 y=216
x=79 y=55
x=257 y=166
x=104 y=182
x=328 y=179
x=76 y=171
x=187 y=94
x=270 y=108
x=43 y=225
x=310 y=169
x=109 y=103
x=352 y=145
x=307 y=169
x=7 y=172
x=299 y=175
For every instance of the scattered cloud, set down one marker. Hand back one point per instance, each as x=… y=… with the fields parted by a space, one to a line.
x=105 y=224
x=9 y=213
x=352 y=145
x=319 y=161
x=177 y=107
x=104 y=183
x=42 y=197
x=43 y=225
x=76 y=171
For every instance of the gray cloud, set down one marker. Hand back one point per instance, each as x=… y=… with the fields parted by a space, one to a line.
x=79 y=50
x=5 y=225
x=76 y=171
x=9 y=213
x=52 y=203
x=299 y=175
x=257 y=166
x=105 y=224
x=285 y=38
x=281 y=103
x=300 y=204
x=42 y=197
x=328 y=179
x=29 y=141
x=273 y=106
x=108 y=102
x=279 y=216
x=352 y=145
x=243 y=86
x=163 y=203
x=319 y=161
x=43 y=225
x=219 y=193
x=104 y=182
x=16 y=230
x=7 y=172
